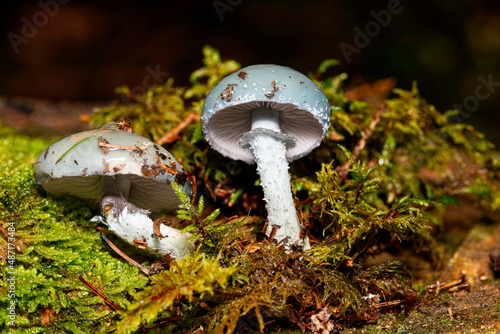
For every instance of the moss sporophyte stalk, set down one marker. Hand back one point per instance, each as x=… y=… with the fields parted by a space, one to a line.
x=380 y=179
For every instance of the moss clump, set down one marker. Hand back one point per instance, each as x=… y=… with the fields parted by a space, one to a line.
x=379 y=181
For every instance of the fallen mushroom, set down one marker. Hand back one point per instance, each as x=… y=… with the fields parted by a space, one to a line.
x=270 y=115
x=124 y=174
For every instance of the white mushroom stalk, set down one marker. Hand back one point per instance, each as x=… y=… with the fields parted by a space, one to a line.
x=269 y=149
x=134 y=225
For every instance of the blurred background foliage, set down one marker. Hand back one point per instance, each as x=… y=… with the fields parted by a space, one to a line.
x=88 y=48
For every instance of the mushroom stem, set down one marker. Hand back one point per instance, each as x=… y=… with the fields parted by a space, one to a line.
x=269 y=149
x=266 y=118
x=136 y=228
x=133 y=224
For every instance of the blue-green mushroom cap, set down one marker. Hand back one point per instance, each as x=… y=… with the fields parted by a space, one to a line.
x=77 y=165
x=304 y=110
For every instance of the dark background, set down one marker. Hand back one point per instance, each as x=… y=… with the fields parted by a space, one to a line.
x=82 y=50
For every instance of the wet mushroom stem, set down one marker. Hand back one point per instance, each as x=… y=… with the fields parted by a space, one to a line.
x=132 y=223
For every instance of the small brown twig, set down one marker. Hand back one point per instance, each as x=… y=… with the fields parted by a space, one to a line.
x=124 y=256
x=102 y=229
x=450 y=313
x=192 y=180
x=173 y=134
x=165 y=321
x=156 y=226
x=11 y=240
x=158 y=222
x=105 y=144
x=141 y=244
x=387 y=304
x=343 y=169
x=451 y=286
x=108 y=301
x=274 y=229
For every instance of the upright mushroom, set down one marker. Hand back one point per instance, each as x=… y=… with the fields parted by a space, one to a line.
x=125 y=174
x=269 y=115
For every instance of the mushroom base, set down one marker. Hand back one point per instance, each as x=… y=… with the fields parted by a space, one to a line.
x=135 y=227
x=269 y=150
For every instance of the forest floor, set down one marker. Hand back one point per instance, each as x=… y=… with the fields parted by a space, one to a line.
x=469 y=300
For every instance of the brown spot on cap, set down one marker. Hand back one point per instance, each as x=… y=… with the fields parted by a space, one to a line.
x=242 y=75
x=106 y=166
x=119 y=167
x=155 y=170
x=101 y=140
x=229 y=92
x=275 y=89
x=124 y=125
x=146 y=171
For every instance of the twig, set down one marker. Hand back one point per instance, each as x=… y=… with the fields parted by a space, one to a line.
x=123 y=255
x=450 y=313
x=162 y=220
x=274 y=229
x=156 y=226
x=140 y=244
x=108 y=301
x=165 y=321
x=343 y=169
x=227 y=220
x=173 y=134
x=387 y=304
x=10 y=240
x=121 y=147
x=192 y=180
x=452 y=286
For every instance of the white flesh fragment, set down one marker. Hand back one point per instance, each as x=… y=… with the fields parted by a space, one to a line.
x=138 y=226
x=130 y=222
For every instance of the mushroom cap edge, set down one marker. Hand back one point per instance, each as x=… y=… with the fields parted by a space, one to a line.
x=226 y=112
